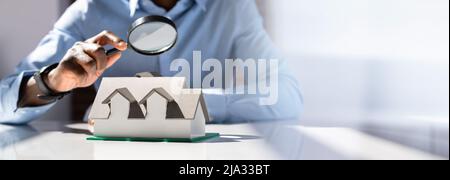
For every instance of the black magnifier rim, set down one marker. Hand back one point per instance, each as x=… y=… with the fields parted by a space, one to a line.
x=149 y=19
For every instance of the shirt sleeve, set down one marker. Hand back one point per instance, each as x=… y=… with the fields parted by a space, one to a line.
x=284 y=100
x=50 y=50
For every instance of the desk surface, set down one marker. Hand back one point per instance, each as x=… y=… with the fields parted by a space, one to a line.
x=261 y=141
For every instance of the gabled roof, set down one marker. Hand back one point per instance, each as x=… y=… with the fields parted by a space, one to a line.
x=172 y=88
x=173 y=109
x=185 y=107
x=161 y=92
x=135 y=110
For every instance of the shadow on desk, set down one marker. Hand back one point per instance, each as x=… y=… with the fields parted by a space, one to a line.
x=230 y=138
x=10 y=135
x=224 y=138
x=74 y=130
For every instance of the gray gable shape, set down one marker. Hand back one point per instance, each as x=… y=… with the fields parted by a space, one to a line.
x=135 y=111
x=161 y=92
x=173 y=109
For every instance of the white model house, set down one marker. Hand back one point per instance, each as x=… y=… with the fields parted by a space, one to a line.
x=148 y=107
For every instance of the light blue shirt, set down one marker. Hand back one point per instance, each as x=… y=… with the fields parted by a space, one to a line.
x=220 y=29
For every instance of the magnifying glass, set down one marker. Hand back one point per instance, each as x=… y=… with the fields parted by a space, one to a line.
x=151 y=35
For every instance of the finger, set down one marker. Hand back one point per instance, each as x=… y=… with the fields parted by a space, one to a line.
x=109 y=38
x=84 y=60
x=97 y=52
x=113 y=59
x=91 y=126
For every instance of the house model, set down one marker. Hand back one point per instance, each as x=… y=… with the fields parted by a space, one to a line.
x=148 y=107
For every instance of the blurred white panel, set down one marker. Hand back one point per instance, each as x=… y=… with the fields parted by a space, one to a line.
x=325 y=27
x=392 y=29
x=372 y=64
x=410 y=29
x=365 y=56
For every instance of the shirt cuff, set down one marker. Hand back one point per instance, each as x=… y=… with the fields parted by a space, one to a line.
x=27 y=114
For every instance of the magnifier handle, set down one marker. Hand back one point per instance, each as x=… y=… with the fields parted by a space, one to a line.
x=112 y=52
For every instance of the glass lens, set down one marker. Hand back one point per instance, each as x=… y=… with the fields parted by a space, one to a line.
x=153 y=37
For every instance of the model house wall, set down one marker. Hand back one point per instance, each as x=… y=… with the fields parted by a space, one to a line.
x=169 y=110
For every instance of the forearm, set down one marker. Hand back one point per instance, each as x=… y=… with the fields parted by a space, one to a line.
x=287 y=104
x=10 y=111
x=233 y=108
x=29 y=95
x=29 y=92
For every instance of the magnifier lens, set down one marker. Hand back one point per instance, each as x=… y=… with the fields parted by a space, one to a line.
x=153 y=37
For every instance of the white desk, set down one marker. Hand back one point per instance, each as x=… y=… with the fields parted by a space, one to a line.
x=266 y=141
